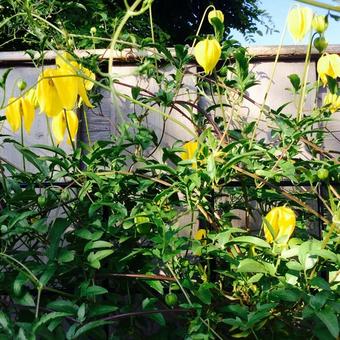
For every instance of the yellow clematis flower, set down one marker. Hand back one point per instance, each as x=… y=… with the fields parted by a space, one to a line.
x=62 y=123
x=328 y=65
x=215 y=14
x=207 y=53
x=200 y=234
x=279 y=225
x=58 y=89
x=190 y=150
x=320 y=23
x=20 y=109
x=299 y=22
x=333 y=100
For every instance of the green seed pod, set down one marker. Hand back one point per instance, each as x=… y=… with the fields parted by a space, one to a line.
x=3 y=229
x=171 y=299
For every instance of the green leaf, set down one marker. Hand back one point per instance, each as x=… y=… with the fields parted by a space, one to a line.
x=93 y=291
x=204 y=293
x=156 y=285
x=47 y=318
x=251 y=266
x=65 y=306
x=252 y=240
x=57 y=230
x=97 y=244
x=88 y=327
x=329 y=318
x=101 y=309
x=295 y=81
x=66 y=256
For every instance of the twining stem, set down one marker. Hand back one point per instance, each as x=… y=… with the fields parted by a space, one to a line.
x=22 y=140
x=321 y=5
x=304 y=79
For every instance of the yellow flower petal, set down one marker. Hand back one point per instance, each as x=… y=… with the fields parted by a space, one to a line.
x=299 y=22
x=28 y=113
x=66 y=84
x=72 y=123
x=12 y=114
x=279 y=224
x=201 y=233
x=58 y=127
x=333 y=101
x=31 y=96
x=47 y=94
x=207 y=53
x=190 y=150
x=328 y=65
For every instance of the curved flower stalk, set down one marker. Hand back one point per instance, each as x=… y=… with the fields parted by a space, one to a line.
x=328 y=65
x=279 y=225
x=20 y=110
x=59 y=89
x=65 y=122
x=299 y=22
x=207 y=53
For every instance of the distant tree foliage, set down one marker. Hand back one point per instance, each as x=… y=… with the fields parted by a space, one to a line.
x=174 y=20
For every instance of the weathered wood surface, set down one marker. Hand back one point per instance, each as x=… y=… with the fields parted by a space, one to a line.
x=103 y=121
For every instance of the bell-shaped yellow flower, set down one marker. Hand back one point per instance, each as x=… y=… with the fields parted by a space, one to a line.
x=333 y=100
x=19 y=109
x=299 y=22
x=190 y=151
x=207 y=53
x=58 y=89
x=279 y=225
x=200 y=234
x=65 y=122
x=328 y=65
x=320 y=23
x=215 y=14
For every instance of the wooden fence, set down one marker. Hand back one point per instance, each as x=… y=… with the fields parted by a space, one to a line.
x=103 y=120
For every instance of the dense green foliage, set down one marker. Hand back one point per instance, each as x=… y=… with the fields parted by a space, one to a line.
x=173 y=20
x=101 y=243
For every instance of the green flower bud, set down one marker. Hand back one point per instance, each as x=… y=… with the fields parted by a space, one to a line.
x=171 y=299
x=21 y=84
x=320 y=44
x=322 y=174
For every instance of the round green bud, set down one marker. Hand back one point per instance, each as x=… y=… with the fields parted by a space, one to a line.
x=322 y=174
x=42 y=201
x=320 y=44
x=93 y=30
x=171 y=299
x=21 y=84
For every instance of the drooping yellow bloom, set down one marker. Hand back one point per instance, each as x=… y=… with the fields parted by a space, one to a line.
x=58 y=89
x=64 y=122
x=216 y=14
x=328 y=65
x=320 y=23
x=190 y=150
x=279 y=225
x=333 y=100
x=299 y=22
x=31 y=96
x=200 y=234
x=19 y=109
x=207 y=54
